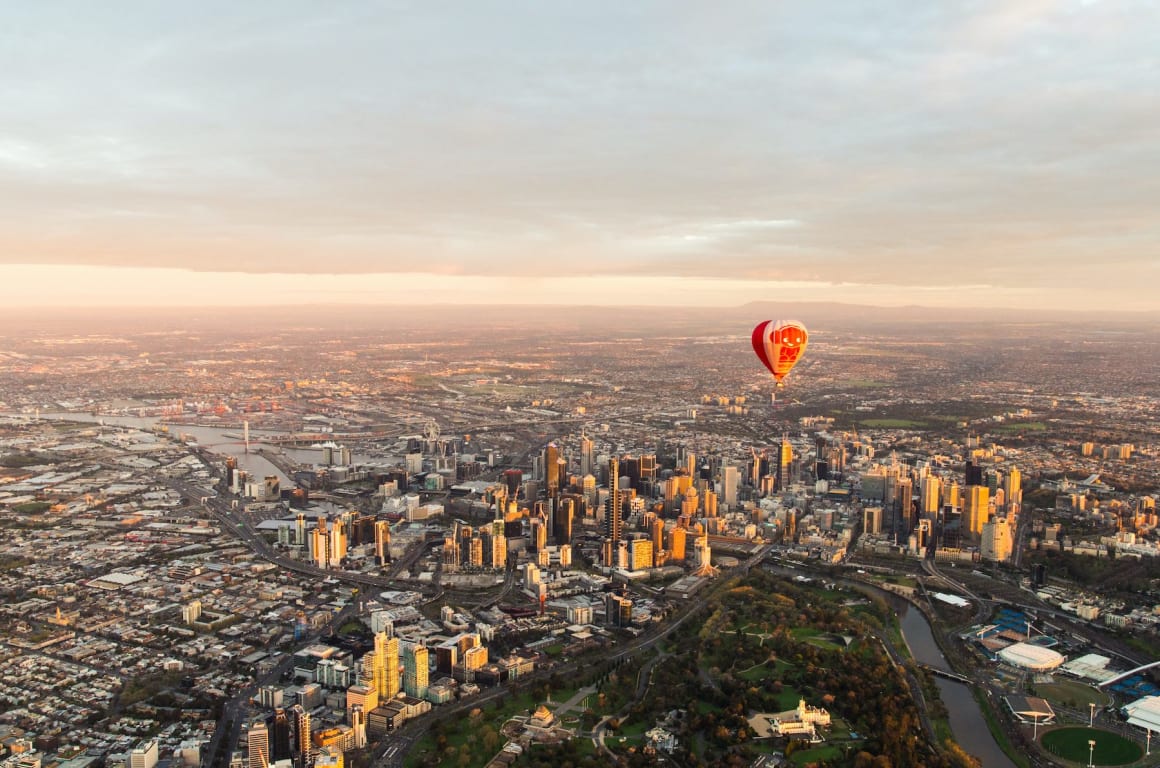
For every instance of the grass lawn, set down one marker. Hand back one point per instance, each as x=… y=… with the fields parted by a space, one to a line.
x=891 y=423
x=633 y=731
x=704 y=707
x=464 y=731
x=1072 y=744
x=764 y=671
x=816 y=754
x=1025 y=426
x=1063 y=691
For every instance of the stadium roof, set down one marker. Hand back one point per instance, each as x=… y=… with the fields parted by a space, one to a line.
x=1144 y=713
x=1090 y=666
x=1030 y=656
x=954 y=600
x=1030 y=708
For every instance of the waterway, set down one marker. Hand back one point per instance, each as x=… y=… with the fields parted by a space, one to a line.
x=967 y=722
x=224 y=441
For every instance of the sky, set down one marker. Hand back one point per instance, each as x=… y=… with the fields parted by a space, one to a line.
x=992 y=154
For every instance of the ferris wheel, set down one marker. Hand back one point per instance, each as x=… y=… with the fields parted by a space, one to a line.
x=431 y=431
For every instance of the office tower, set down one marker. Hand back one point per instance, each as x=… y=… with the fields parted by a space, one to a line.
x=537 y=535
x=382 y=542
x=973 y=474
x=587 y=456
x=301 y=719
x=320 y=544
x=904 y=504
x=415 y=668
x=872 y=520
x=686 y=461
x=475 y=552
x=677 y=544
x=951 y=496
x=513 y=479
x=300 y=530
x=279 y=730
x=730 y=482
x=565 y=512
x=930 y=495
x=657 y=534
x=641 y=552
x=379 y=664
x=785 y=458
x=690 y=504
x=549 y=462
x=975 y=512
x=144 y=755
x=258 y=746
x=358 y=726
x=365 y=697
x=648 y=473
x=1013 y=487
x=996 y=540
x=612 y=515
x=389 y=683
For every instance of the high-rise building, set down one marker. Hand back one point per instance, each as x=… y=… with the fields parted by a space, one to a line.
x=785 y=459
x=301 y=719
x=144 y=755
x=513 y=479
x=872 y=520
x=415 y=669
x=564 y=514
x=1013 y=488
x=382 y=542
x=641 y=556
x=258 y=746
x=550 y=461
x=389 y=686
x=931 y=487
x=279 y=730
x=975 y=512
x=657 y=534
x=730 y=482
x=996 y=540
x=677 y=544
x=587 y=456
x=612 y=515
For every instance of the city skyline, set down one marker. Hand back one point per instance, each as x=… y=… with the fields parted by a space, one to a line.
x=992 y=156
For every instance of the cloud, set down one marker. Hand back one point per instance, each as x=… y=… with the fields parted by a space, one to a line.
x=902 y=145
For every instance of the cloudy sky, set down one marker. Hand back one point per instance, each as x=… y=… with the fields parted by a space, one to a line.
x=940 y=153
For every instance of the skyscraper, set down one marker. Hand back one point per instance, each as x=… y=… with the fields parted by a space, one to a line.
x=996 y=543
x=551 y=471
x=612 y=515
x=279 y=730
x=730 y=481
x=587 y=457
x=382 y=542
x=562 y=528
x=258 y=746
x=415 y=668
x=931 y=487
x=975 y=513
x=301 y=718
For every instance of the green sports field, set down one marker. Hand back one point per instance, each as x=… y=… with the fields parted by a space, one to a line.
x=1072 y=744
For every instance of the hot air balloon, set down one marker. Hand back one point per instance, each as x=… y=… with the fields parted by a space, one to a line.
x=780 y=344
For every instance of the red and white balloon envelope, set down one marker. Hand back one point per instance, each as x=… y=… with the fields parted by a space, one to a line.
x=780 y=344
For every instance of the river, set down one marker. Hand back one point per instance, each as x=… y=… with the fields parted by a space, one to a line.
x=967 y=722
x=220 y=440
